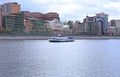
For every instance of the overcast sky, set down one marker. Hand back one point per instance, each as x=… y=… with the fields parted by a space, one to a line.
x=71 y=9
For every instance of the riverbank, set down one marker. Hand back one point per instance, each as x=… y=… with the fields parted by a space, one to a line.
x=23 y=37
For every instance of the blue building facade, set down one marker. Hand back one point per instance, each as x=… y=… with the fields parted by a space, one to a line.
x=103 y=18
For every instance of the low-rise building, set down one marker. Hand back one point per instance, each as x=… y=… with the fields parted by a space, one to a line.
x=116 y=25
x=113 y=30
x=56 y=26
x=66 y=29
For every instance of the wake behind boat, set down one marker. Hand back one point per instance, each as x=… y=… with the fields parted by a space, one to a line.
x=61 y=39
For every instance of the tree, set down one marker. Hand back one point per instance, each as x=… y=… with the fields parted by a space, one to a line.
x=70 y=24
x=77 y=22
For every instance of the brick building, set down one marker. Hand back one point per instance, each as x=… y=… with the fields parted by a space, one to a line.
x=9 y=8
x=49 y=16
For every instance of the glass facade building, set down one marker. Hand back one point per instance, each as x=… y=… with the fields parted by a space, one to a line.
x=14 y=23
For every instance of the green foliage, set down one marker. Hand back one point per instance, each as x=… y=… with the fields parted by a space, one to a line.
x=77 y=22
x=70 y=24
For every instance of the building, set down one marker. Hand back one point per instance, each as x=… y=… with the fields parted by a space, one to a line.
x=14 y=23
x=38 y=26
x=113 y=30
x=50 y=16
x=99 y=28
x=86 y=24
x=66 y=29
x=103 y=18
x=96 y=25
x=56 y=26
x=116 y=24
x=90 y=26
x=28 y=25
x=26 y=14
x=0 y=19
x=37 y=15
x=10 y=8
x=33 y=25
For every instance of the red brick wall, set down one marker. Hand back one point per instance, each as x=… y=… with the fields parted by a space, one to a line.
x=48 y=16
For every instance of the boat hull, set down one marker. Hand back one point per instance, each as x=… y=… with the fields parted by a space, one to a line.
x=61 y=40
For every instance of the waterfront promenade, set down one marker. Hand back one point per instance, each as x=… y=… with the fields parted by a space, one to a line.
x=36 y=37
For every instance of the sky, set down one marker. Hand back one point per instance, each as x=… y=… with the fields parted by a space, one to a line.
x=71 y=9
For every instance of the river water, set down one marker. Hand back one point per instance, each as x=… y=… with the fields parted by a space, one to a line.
x=40 y=58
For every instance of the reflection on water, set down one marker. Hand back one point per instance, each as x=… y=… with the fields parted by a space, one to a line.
x=40 y=58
